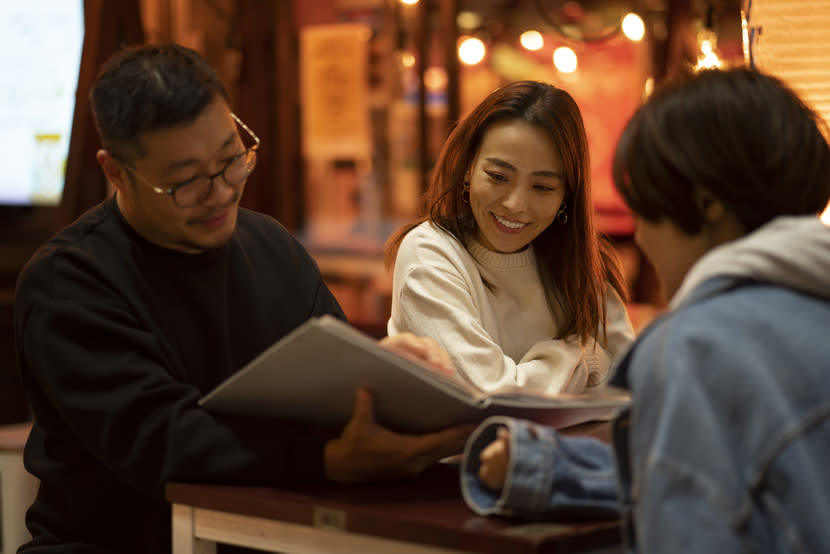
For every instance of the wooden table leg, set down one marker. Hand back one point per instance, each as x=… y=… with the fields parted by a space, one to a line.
x=184 y=533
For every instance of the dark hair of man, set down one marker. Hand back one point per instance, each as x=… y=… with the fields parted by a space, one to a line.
x=574 y=261
x=146 y=88
x=739 y=135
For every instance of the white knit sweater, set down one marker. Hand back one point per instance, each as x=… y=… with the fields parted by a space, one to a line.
x=501 y=338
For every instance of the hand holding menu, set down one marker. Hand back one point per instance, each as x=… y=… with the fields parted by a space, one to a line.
x=311 y=374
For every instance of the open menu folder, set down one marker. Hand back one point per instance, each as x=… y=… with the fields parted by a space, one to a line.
x=311 y=374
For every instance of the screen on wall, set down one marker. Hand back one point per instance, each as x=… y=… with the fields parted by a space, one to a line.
x=42 y=41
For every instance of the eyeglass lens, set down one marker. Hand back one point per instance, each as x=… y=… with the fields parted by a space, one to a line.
x=194 y=192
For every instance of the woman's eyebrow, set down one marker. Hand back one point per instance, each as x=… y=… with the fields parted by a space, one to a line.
x=540 y=173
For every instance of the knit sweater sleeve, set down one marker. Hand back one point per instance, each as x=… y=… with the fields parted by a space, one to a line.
x=601 y=352
x=439 y=293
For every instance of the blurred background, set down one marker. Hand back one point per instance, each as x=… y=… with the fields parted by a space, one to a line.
x=353 y=99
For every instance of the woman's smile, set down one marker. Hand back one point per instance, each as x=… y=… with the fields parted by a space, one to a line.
x=516 y=185
x=509 y=225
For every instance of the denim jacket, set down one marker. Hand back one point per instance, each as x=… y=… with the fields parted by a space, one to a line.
x=726 y=446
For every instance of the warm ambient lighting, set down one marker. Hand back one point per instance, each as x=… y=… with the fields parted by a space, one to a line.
x=471 y=50
x=633 y=27
x=407 y=60
x=648 y=87
x=532 y=40
x=467 y=20
x=708 y=56
x=409 y=2
x=435 y=78
x=825 y=217
x=565 y=59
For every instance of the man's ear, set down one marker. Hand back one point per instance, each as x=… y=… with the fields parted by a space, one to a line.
x=113 y=170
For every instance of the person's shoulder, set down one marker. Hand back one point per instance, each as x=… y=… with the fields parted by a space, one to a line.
x=81 y=248
x=259 y=232
x=740 y=354
x=723 y=308
x=429 y=240
x=248 y=219
x=257 y=225
x=742 y=321
x=77 y=237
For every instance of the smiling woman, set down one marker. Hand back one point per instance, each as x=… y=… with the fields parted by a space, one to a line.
x=506 y=270
x=515 y=186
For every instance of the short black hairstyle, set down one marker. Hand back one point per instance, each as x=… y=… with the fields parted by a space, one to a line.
x=740 y=135
x=150 y=87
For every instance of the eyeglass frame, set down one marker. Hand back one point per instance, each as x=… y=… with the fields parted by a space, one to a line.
x=172 y=190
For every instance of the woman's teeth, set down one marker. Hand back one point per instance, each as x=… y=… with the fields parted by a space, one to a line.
x=509 y=224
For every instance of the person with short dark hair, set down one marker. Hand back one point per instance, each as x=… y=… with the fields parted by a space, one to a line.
x=506 y=269
x=127 y=317
x=726 y=444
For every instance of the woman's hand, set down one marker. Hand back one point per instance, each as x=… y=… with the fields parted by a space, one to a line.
x=422 y=348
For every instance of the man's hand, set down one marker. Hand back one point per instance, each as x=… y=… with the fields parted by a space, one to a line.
x=422 y=348
x=495 y=459
x=368 y=452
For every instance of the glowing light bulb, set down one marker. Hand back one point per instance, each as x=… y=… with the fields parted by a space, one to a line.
x=468 y=20
x=532 y=40
x=633 y=27
x=471 y=50
x=708 y=57
x=435 y=78
x=565 y=60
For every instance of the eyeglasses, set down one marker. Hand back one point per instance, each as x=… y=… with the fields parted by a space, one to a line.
x=194 y=191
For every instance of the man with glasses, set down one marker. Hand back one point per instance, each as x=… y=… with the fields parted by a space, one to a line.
x=149 y=300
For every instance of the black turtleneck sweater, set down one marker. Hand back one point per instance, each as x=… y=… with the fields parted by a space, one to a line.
x=118 y=339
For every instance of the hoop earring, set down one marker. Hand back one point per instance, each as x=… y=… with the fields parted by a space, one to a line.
x=561 y=215
x=465 y=193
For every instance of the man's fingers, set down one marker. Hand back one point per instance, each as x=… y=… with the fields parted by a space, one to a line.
x=446 y=442
x=364 y=410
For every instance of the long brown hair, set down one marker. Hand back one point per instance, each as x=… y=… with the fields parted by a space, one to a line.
x=574 y=260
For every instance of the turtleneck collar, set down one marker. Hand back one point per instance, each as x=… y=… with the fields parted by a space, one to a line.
x=171 y=255
x=500 y=260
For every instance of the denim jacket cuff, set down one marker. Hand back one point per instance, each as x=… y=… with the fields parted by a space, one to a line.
x=528 y=478
x=548 y=474
x=531 y=474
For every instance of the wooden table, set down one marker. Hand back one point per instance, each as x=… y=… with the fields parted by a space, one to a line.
x=17 y=487
x=422 y=515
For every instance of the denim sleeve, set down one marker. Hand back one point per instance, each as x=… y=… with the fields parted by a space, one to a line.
x=549 y=476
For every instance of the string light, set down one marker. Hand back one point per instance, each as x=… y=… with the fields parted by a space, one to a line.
x=532 y=40
x=708 y=57
x=471 y=50
x=633 y=27
x=565 y=60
